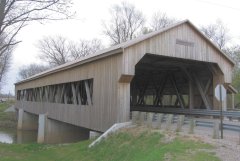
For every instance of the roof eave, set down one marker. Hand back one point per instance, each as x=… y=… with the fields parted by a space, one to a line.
x=111 y=52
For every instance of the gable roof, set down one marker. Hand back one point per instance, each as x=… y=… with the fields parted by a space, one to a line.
x=119 y=49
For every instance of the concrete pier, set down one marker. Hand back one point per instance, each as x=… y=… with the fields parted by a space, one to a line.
x=48 y=130
x=51 y=131
x=27 y=121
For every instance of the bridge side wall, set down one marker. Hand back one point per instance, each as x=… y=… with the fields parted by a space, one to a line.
x=98 y=116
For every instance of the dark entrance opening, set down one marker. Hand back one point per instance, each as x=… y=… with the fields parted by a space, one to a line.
x=166 y=82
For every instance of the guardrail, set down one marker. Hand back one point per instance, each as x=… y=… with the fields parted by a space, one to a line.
x=199 y=112
x=203 y=122
x=156 y=119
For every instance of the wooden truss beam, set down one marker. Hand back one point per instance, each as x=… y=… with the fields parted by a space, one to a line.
x=78 y=94
x=179 y=96
x=89 y=100
x=201 y=91
x=74 y=94
x=159 y=91
x=193 y=77
x=142 y=92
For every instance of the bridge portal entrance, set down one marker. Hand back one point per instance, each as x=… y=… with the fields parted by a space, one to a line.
x=166 y=82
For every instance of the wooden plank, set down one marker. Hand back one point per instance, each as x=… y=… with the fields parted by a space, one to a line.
x=89 y=100
x=78 y=93
x=58 y=93
x=41 y=94
x=201 y=91
x=179 y=97
x=159 y=93
x=193 y=77
x=191 y=88
x=206 y=89
x=74 y=94
x=24 y=94
x=191 y=95
x=142 y=94
x=61 y=98
x=65 y=94
x=47 y=93
x=54 y=93
x=125 y=78
x=36 y=94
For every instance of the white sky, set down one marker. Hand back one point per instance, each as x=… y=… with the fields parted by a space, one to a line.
x=91 y=14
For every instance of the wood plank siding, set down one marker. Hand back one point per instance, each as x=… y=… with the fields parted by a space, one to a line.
x=103 y=111
x=113 y=72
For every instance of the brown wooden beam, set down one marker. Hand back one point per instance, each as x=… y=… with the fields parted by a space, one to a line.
x=65 y=94
x=61 y=98
x=78 y=94
x=201 y=91
x=74 y=94
x=179 y=96
x=191 y=95
x=159 y=91
x=89 y=100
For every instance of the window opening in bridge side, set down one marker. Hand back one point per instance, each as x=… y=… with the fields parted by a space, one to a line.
x=78 y=93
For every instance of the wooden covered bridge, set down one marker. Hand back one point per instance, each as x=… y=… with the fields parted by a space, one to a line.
x=176 y=67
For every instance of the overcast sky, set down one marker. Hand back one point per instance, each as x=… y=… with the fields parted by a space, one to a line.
x=91 y=14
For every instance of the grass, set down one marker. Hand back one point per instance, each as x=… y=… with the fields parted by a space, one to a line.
x=7 y=119
x=123 y=146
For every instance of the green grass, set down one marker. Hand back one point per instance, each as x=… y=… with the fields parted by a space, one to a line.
x=123 y=146
x=7 y=119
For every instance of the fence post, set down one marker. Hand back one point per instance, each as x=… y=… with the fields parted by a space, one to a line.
x=216 y=128
x=135 y=117
x=149 y=119
x=192 y=124
x=159 y=120
x=169 y=121
x=142 y=118
x=180 y=123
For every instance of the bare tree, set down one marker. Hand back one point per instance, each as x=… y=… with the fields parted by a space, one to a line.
x=125 y=23
x=15 y=14
x=161 y=20
x=54 y=50
x=30 y=70
x=84 y=48
x=59 y=50
x=233 y=52
x=218 y=33
x=5 y=59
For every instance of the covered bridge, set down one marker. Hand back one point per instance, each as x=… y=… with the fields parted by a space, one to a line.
x=176 y=67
